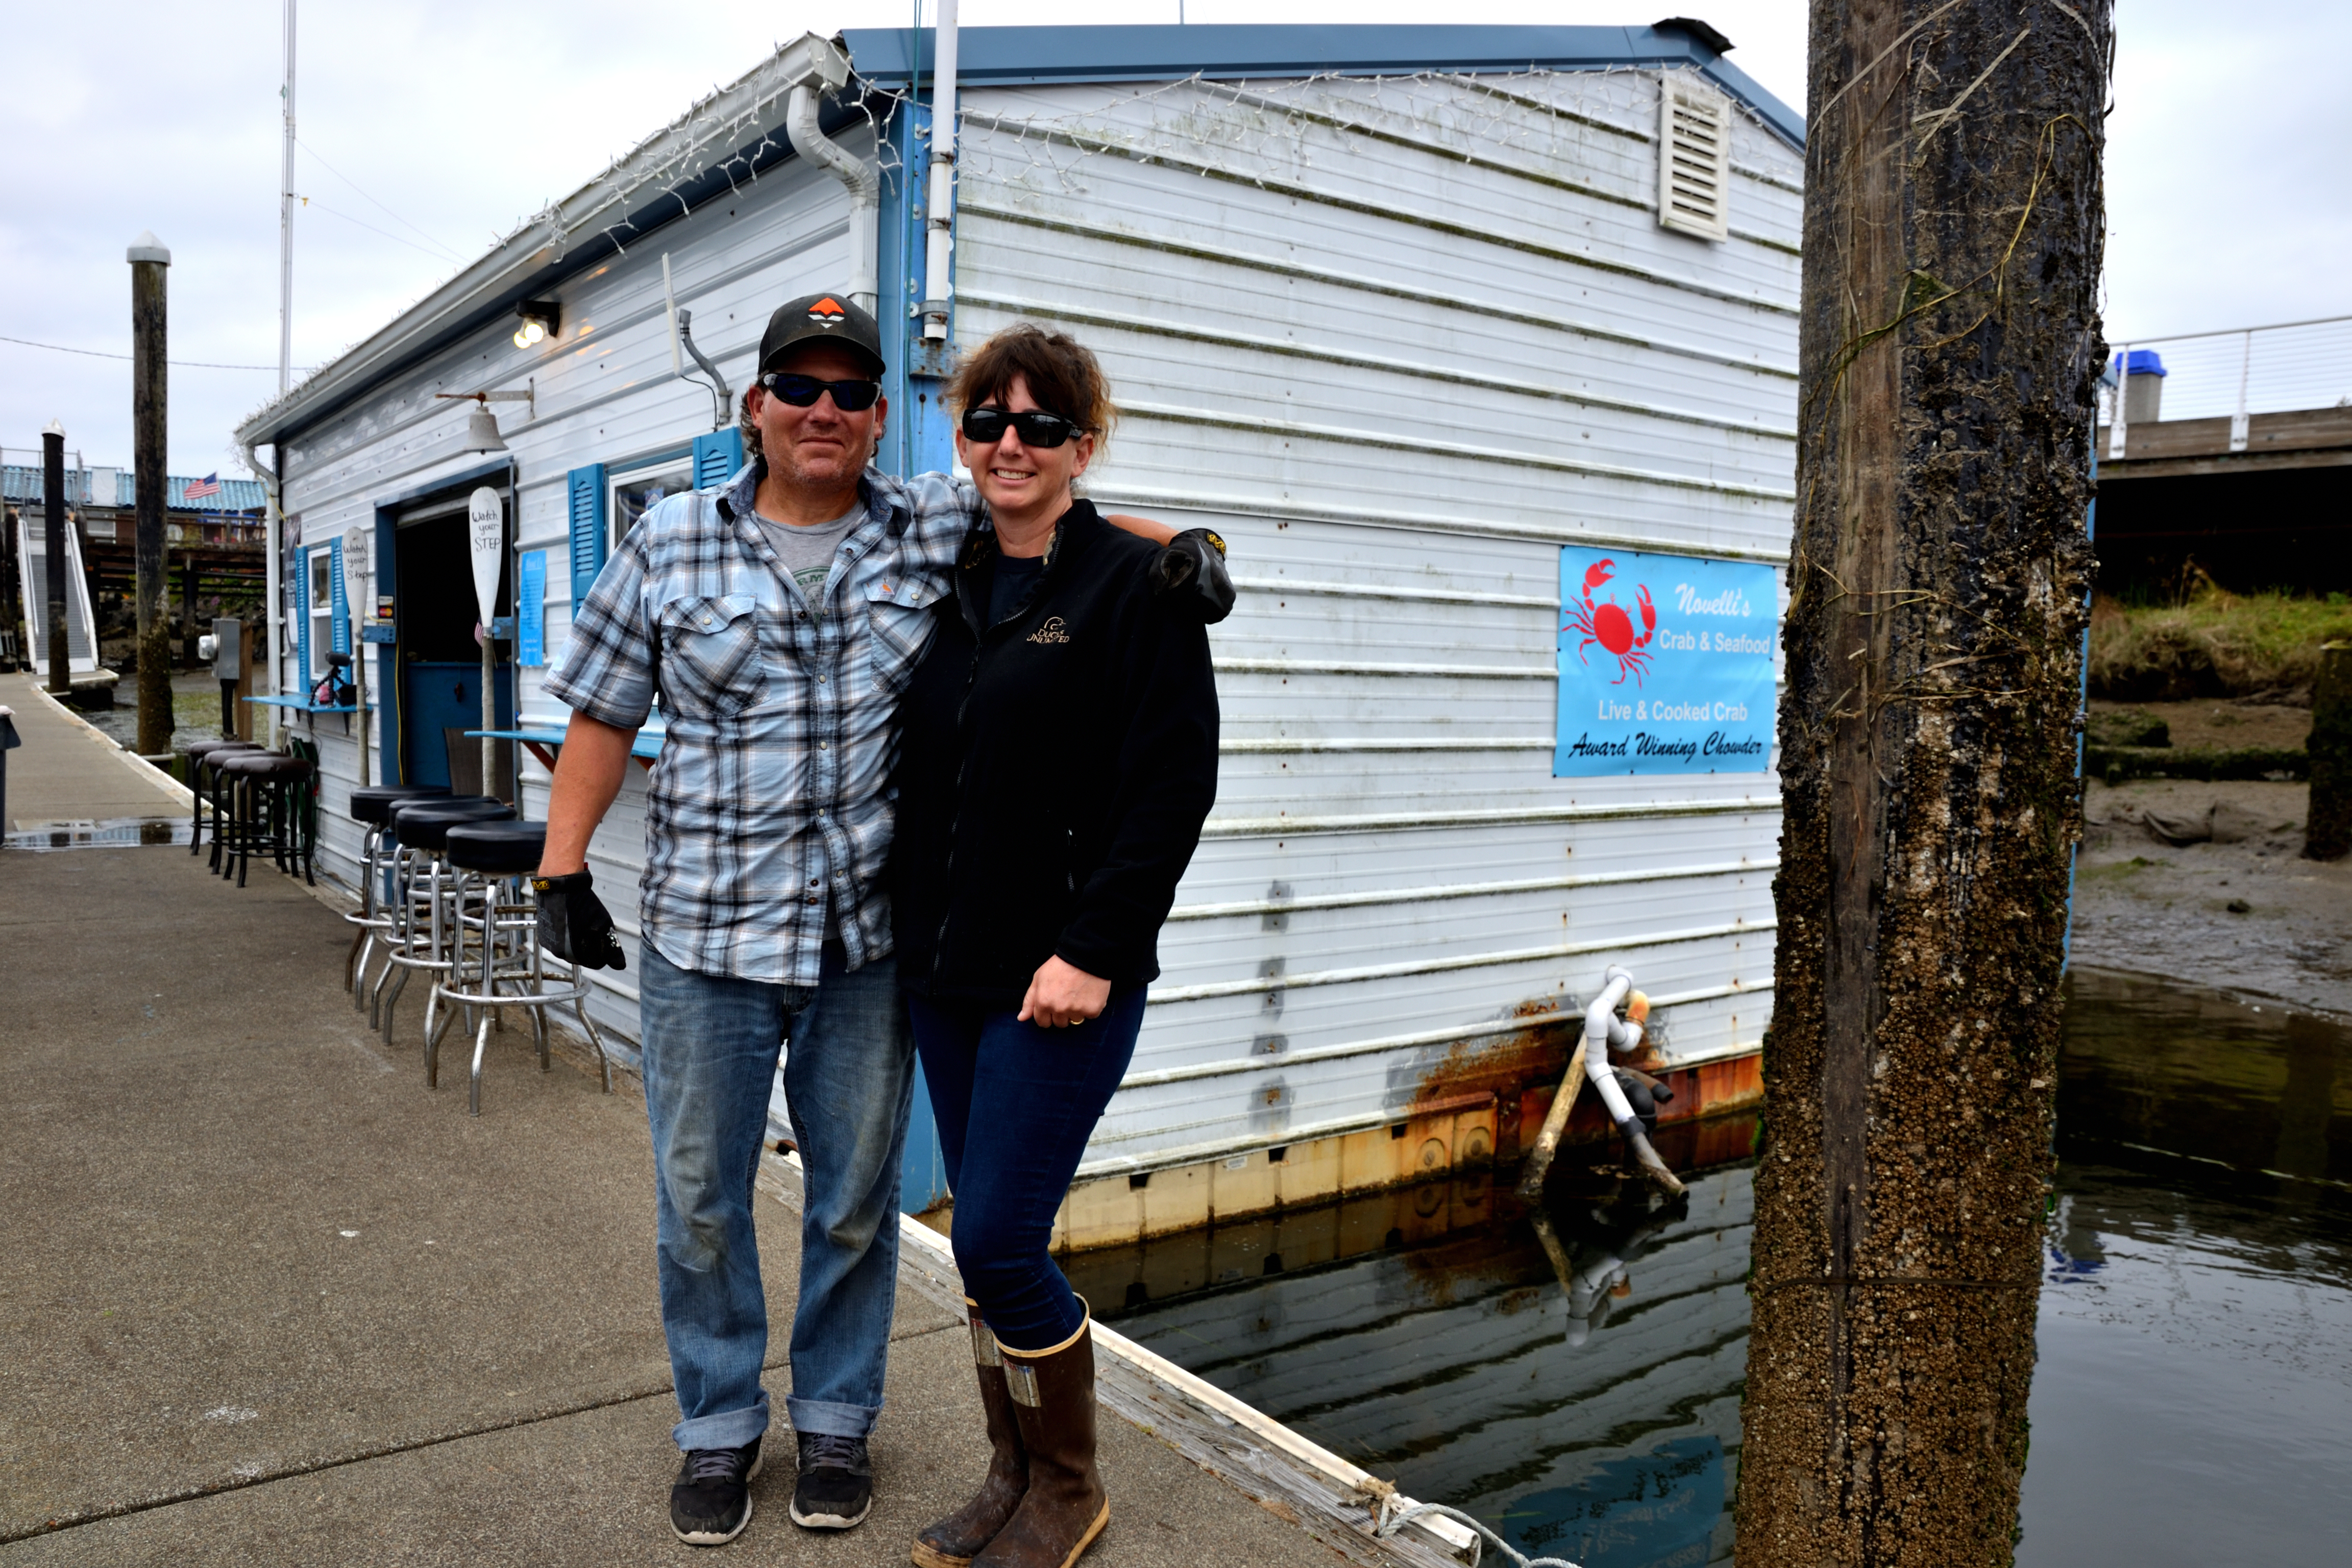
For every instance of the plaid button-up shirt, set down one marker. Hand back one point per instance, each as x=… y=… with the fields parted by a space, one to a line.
x=771 y=805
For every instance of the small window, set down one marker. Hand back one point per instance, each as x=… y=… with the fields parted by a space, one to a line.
x=323 y=610
x=635 y=493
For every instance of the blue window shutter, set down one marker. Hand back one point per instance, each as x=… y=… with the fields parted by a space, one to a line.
x=302 y=617
x=342 y=633
x=588 y=503
x=716 y=458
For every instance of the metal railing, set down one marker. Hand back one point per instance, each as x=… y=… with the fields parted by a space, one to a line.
x=2240 y=372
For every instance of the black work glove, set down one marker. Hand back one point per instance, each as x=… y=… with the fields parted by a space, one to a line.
x=1193 y=571
x=574 y=924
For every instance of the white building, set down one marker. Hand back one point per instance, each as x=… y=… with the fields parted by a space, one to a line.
x=1425 y=320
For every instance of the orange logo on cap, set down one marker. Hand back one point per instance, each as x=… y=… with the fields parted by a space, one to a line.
x=827 y=311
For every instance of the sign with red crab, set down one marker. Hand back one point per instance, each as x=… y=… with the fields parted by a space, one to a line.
x=1666 y=664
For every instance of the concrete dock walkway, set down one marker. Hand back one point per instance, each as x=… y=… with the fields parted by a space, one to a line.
x=67 y=772
x=266 y=1298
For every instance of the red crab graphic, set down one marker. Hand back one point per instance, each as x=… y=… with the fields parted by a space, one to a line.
x=1612 y=626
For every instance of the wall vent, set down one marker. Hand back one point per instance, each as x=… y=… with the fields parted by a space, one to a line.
x=1694 y=158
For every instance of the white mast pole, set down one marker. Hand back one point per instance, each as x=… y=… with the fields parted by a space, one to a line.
x=286 y=227
x=274 y=587
x=941 y=236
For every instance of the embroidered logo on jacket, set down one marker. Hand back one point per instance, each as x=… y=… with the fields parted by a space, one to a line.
x=1051 y=631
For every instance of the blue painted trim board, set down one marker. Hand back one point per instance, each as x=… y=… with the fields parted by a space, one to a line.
x=1006 y=56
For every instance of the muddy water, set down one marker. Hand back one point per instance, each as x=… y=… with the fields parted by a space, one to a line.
x=1573 y=1375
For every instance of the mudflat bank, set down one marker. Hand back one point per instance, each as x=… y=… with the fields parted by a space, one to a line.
x=2206 y=883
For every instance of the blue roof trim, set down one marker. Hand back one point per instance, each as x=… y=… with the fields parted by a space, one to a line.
x=1010 y=56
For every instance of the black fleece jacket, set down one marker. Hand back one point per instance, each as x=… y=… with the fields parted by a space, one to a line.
x=1054 y=772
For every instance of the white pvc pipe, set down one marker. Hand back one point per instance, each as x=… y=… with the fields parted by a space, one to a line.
x=938 y=275
x=865 y=189
x=1602 y=1029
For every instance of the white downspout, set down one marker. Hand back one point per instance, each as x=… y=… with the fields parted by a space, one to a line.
x=939 y=277
x=864 y=185
x=272 y=588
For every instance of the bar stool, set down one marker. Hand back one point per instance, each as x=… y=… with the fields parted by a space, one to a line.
x=227 y=784
x=421 y=938
x=199 y=753
x=490 y=861
x=371 y=805
x=268 y=790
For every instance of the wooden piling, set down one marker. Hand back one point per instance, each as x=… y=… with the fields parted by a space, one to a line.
x=2327 y=824
x=53 y=547
x=150 y=461
x=1938 y=579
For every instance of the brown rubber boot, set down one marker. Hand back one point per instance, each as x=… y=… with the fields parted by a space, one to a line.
x=1054 y=1400
x=954 y=1541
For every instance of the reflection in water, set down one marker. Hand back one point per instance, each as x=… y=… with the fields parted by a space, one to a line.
x=2193 y=1402
x=1573 y=1376
x=114 y=833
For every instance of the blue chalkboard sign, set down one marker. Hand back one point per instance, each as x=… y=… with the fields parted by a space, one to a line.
x=1666 y=664
x=531 y=608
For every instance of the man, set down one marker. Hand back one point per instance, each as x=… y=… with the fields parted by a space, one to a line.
x=777 y=619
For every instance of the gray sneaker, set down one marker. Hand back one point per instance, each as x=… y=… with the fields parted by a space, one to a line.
x=836 y=1486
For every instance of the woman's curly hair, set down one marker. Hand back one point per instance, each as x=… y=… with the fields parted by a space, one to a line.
x=1062 y=374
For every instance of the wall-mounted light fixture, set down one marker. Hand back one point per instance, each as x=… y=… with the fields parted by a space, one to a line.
x=540 y=320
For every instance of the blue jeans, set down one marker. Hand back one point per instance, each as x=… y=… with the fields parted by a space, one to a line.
x=710 y=1049
x=1015 y=1106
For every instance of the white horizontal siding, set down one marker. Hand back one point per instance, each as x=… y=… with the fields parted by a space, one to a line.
x=1397 y=341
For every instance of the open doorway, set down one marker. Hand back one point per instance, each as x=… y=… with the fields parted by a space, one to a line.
x=440 y=661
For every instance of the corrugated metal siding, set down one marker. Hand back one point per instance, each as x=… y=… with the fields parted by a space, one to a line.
x=1398 y=341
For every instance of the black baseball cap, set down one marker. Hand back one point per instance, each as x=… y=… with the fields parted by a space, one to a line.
x=822 y=318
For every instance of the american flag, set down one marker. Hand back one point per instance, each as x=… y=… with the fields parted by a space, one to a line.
x=199 y=489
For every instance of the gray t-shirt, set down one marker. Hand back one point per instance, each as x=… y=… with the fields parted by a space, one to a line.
x=807 y=552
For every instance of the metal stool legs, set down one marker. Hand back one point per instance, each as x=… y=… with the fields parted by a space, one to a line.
x=505 y=968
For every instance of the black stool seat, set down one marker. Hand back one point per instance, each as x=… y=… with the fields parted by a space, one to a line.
x=497 y=848
x=202 y=749
x=374 y=803
x=266 y=765
x=426 y=825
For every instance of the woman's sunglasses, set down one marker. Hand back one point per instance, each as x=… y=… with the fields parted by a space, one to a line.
x=1037 y=428
x=803 y=391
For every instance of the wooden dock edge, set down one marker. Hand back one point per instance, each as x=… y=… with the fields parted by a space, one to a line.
x=1298 y=1481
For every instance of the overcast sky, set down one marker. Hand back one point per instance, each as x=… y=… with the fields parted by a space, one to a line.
x=429 y=127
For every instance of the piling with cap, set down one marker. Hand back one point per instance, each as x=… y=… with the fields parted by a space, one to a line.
x=150 y=460
x=53 y=544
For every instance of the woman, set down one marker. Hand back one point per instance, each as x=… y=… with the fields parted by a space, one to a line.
x=1060 y=751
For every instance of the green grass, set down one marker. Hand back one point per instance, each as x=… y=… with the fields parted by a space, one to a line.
x=2216 y=645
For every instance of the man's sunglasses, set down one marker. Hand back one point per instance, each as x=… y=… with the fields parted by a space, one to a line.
x=803 y=391
x=1037 y=428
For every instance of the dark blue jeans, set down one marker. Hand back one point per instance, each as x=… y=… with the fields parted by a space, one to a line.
x=1015 y=1106
x=711 y=1047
